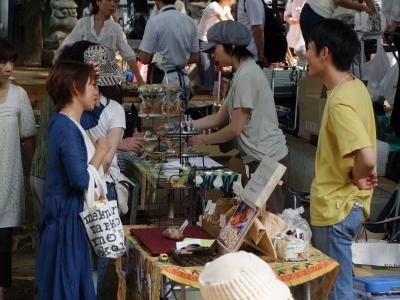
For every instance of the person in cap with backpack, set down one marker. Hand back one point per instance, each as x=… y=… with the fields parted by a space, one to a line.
x=248 y=114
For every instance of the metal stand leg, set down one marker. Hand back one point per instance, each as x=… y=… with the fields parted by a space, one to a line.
x=307 y=291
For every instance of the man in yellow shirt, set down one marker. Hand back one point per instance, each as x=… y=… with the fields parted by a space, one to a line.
x=345 y=163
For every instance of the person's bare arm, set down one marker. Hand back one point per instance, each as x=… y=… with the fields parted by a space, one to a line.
x=228 y=133
x=364 y=174
x=29 y=148
x=215 y=120
x=194 y=58
x=134 y=143
x=370 y=4
x=145 y=57
x=354 y=5
x=114 y=136
x=133 y=66
x=258 y=35
x=102 y=148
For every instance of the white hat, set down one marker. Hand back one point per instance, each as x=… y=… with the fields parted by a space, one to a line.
x=241 y=276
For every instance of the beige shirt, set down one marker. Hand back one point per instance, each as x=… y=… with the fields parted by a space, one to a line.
x=261 y=135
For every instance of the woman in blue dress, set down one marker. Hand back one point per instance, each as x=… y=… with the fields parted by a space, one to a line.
x=63 y=262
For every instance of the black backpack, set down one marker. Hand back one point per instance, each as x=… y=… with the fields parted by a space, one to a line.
x=275 y=44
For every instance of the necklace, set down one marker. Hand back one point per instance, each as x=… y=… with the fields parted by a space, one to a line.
x=338 y=84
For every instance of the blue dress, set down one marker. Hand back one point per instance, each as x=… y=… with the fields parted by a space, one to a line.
x=63 y=264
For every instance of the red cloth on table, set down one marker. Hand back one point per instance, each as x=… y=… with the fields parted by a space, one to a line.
x=153 y=240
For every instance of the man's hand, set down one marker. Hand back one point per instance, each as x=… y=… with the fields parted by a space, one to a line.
x=366 y=183
x=96 y=69
x=134 y=143
x=197 y=140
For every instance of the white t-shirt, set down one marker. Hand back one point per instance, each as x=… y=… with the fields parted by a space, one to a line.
x=324 y=8
x=254 y=15
x=113 y=116
x=212 y=14
x=261 y=135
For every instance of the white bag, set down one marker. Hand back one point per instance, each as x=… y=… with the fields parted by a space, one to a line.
x=101 y=219
x=389 y=84
x=122 y=187
x=375 y=69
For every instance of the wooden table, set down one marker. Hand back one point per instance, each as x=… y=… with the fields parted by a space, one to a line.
x=319 y=273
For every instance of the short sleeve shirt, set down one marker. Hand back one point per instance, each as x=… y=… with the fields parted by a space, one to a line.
x=173 y=35
x=212 y=15
x=251 y=13
x=347 y=125
x=113 y=116
x=111 y=36
x=261 y=135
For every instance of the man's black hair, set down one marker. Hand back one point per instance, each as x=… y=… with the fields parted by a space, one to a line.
x=7 y=51
x=237 y=51
x=75 y=51
x=339 y=38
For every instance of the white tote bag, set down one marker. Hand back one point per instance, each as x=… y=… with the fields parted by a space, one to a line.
x=101 y=219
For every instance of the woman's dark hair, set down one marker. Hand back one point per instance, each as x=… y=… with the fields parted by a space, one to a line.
x=95 y=7
x=238 y=52
x=168 y=2
x=112 y=92
x=74 y=51
x=66 y=79
x=339 y=38
x=7 y=51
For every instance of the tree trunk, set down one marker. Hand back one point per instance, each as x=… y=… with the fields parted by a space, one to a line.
x=33 y=36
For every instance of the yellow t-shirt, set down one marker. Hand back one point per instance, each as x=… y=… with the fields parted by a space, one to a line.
x=348 y=124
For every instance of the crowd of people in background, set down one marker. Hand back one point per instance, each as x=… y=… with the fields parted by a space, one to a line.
x=82 y=123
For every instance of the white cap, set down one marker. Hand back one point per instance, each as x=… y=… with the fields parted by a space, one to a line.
x=241 y=276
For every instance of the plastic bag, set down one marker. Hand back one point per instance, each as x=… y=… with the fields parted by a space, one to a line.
x=389 y=84
x=375 y=69
x=293 y=219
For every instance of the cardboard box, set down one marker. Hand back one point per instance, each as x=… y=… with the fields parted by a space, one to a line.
x=311 y=98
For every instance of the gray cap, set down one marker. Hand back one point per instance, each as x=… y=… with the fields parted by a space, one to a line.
x=227 y=32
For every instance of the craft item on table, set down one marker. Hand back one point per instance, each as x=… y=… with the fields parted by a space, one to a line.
x=216 y=214
x=274 y=225
x=231 y=236
x=185 y=243
x=209 y=177
x=258 y=238
x=293 y=219
x=218 y=183
x=163 y=257
x=237 y=187
x=194 y=255
x=198 y=179
x=156 y=243
x=175 y=233
x=291 y=248
x=204 y=162
x=202 y=242
x=263 y=182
